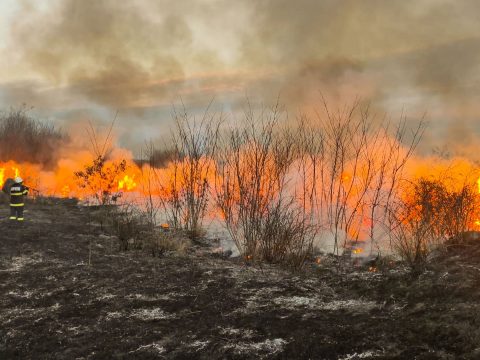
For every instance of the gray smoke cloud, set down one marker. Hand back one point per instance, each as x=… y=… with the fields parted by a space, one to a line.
x=141 y=56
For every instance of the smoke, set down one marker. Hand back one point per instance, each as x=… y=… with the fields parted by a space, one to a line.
x=421 y=56
x=105 y=51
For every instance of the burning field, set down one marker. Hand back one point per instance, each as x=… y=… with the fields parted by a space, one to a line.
x=330 y=239
x=342 y=182
x=254 y=179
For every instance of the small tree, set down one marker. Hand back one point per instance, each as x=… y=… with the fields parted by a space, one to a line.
x=101 y=177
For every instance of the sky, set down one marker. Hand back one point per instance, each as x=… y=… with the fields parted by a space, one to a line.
x=73 y=60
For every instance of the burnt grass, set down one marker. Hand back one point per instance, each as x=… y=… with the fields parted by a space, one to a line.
x=55 y=305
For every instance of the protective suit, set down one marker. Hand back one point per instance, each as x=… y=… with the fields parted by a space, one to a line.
x=18 y=191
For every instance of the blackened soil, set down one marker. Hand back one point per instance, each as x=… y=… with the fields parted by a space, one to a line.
x=66 y=292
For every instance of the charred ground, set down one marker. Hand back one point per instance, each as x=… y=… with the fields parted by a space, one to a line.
x=54 y=304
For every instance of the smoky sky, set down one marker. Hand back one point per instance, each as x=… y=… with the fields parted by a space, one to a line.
x=69 y=57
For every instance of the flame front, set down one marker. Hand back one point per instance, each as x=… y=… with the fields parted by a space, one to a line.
x=61 y=181
x=163 y=182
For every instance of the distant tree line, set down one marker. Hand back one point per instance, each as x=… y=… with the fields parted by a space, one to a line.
x=25 y=139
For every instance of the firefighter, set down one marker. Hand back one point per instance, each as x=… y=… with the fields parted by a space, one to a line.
x=17 y=193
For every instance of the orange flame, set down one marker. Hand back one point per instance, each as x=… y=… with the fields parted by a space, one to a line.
x=165 y=226
x=61 y=181
x=8 y=170
x=127 y=183
x=65 y=191
x=477 y=222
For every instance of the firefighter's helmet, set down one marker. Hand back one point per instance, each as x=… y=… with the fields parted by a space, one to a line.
x=18 y=180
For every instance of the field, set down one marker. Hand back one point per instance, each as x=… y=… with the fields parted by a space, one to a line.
x=202 y=305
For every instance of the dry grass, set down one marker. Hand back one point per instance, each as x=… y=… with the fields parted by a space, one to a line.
x=130 y=226
x=160 y=242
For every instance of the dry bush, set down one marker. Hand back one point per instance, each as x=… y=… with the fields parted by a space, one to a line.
x=127 y=223
x=101 y=178
x=102 y=175
x=25 y=139
x=185 y=185
x=429 y=216
x=130 y=225
x=261 y=211
x=287 y=235
x=152 y=204
x=159 y=242
x=358 y=162
x=344 y=137
x=412 y=240
x=334 y=173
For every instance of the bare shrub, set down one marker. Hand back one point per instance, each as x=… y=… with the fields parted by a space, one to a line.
x=128 y=224
x=25 y=139
x=429 y=216
x=185 y=184
x=287 y=236
x=261 y=212
x=151 y=202
x=462 y=206
x=387 y=154
x=357 y=170
x=345 y=138
x=338 y=173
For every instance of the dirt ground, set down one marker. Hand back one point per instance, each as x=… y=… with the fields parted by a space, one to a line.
x=54 y=305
